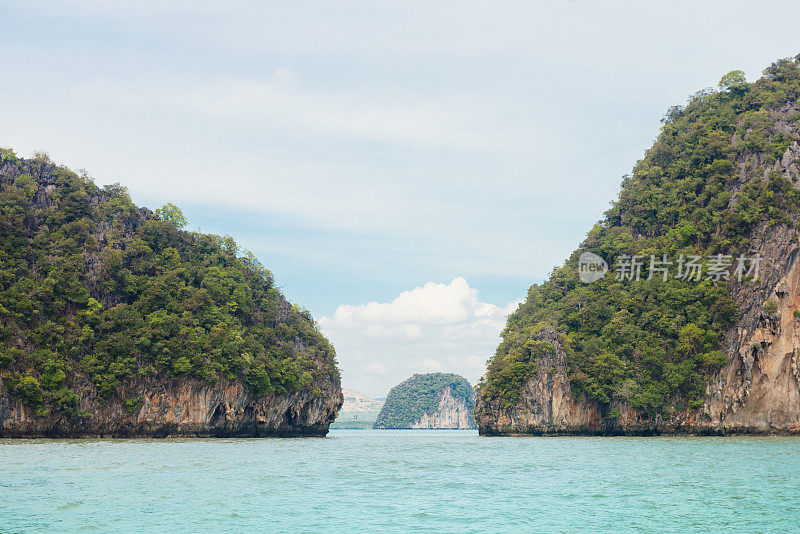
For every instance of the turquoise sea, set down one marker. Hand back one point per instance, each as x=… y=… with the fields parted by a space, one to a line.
x=401 y=481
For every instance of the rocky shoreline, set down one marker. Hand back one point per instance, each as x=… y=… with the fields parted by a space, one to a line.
x=186 y=408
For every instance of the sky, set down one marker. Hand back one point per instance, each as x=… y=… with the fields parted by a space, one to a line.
x=405 y=169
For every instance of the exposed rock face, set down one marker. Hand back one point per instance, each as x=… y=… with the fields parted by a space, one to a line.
x=547 y=405
x=452 y=413
x=185 y=408
x=757 y=392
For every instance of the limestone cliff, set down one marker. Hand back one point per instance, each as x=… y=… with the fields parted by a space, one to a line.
x=756 y=388
x=430 y=401
x=451 y=413
x=186 y=408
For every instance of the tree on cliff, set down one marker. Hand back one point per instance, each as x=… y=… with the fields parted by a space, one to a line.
x=172 y=214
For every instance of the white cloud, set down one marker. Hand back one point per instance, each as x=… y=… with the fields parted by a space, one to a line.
x=432 y=328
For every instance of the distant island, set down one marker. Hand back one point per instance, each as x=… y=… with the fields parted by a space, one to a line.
x=358 y=411
x=433 y=400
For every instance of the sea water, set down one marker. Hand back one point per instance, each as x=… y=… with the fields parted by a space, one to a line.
x=401 y=481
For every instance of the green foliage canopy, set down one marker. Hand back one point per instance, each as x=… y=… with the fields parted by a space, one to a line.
x=652 y=343
x=96 y=292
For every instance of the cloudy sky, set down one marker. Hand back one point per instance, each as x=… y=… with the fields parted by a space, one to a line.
x=406 y=169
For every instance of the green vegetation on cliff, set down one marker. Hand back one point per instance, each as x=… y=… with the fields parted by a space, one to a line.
x=703 y=188
x=420 y=394
x=96 y=293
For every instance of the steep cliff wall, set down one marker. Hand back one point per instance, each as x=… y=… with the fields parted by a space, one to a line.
x=184 y=408
x=759 y=390
x=451 y=413
x=546 y=405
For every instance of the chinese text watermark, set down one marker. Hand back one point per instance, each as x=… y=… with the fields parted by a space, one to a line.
x=686 y=267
